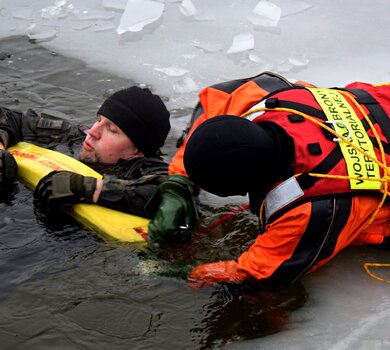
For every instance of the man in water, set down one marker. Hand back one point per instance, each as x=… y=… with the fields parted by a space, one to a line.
x=123 y=144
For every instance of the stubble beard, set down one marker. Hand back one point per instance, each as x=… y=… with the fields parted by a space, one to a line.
x=88 y=158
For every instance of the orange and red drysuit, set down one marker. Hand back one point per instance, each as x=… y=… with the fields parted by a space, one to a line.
x=309 y=230
x=300 y=241
x=233 y=98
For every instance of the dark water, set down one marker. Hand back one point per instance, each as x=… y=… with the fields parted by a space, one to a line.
x=63 y=287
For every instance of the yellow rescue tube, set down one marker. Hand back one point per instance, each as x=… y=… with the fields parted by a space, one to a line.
x=35 y=162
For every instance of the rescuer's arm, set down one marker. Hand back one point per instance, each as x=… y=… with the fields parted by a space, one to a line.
x=274 y=259
x=176 y=210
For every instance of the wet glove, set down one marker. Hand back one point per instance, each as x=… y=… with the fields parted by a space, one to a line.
x=64 y=188
x=8 y=169
x=217 y=272
x=175 y=208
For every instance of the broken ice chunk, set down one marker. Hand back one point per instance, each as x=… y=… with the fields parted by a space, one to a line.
x=103 y=27
x=298 y=60
x=294 y=7
x=38 y=34
x=255 y=58
x=265 y=14
x=208 y=47
x=242 y=42
x=95 y=15
x=138 y=14
x=22 y=13
x=81 y=26
x=172 y=71
x=187 y=8
x=204 y=17
x=186 y=85
x=114 y=4
x=58 y=10
x=284 y=67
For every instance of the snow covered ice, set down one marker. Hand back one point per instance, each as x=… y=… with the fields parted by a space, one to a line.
x=308 y=40
x=178 y=47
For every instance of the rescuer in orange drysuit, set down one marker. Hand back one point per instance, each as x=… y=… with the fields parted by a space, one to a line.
x=174 y=206
x=281 y=156
x=314 y=163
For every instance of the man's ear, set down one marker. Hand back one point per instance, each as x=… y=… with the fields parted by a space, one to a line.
x=138 y=153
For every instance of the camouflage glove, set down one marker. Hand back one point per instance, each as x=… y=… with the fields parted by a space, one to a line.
x=64 y=188
x=175 y=209
x=8 y=169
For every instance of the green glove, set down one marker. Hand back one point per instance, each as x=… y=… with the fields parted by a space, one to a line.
x=8 y=169
x=176 y=211
x=65 y=188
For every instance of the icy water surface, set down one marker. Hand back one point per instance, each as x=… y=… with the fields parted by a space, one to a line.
x=63 y=287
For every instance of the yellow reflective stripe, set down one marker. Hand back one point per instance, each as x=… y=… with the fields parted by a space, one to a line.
x=346 y=123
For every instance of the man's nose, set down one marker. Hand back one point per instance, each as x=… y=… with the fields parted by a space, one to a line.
x=94 y=131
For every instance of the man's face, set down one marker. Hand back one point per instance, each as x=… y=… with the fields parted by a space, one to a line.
x=106 y=143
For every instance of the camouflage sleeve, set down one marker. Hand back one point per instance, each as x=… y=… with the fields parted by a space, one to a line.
x=49 y=128
x=44 y=128
x=10 y=126
x=130 y=196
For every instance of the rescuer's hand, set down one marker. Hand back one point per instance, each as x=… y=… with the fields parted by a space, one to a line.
x=8 y=169
x=217 y=272
x=176 y=212
x=64 y=188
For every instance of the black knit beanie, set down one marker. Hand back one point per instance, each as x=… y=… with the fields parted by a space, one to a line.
x=141 y=115
x=229 y=155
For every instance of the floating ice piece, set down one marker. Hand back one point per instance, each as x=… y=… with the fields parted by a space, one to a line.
x=265 y=14
x=38 y=34
x=255 y=58
x=138 y=14
x=298 y=60
x=185 y=85
x=242 y=42
x=23 y=13
x=59 y=10
x=172 y=71
x=187 y=8
x=284 y=67
x=261 y=64
x=95 y=15
x=204 y=17
x=208 y=47
x=82 y=26
x=114 y=4
x=105 y=27
x=293 y=7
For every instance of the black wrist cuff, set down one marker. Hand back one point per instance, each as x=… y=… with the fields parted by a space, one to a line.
x=4 y=138
x=89 y=188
